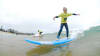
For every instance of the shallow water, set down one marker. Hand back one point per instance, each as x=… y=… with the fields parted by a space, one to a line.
x=14 y=45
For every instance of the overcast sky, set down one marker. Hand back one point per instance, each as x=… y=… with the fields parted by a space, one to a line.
x=30 y=15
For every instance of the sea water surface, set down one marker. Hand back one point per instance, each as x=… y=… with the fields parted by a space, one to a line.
x=86 y=44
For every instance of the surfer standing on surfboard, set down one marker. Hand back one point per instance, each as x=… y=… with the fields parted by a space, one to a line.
x=63 y=17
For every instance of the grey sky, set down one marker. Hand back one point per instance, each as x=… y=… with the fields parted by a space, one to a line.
x=29 y=15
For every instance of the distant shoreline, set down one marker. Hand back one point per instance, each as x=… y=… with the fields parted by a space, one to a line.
x=18 y=33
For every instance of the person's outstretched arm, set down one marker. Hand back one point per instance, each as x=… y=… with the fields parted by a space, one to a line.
x=75 y=14
x=55 y=17
x=70 y=14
